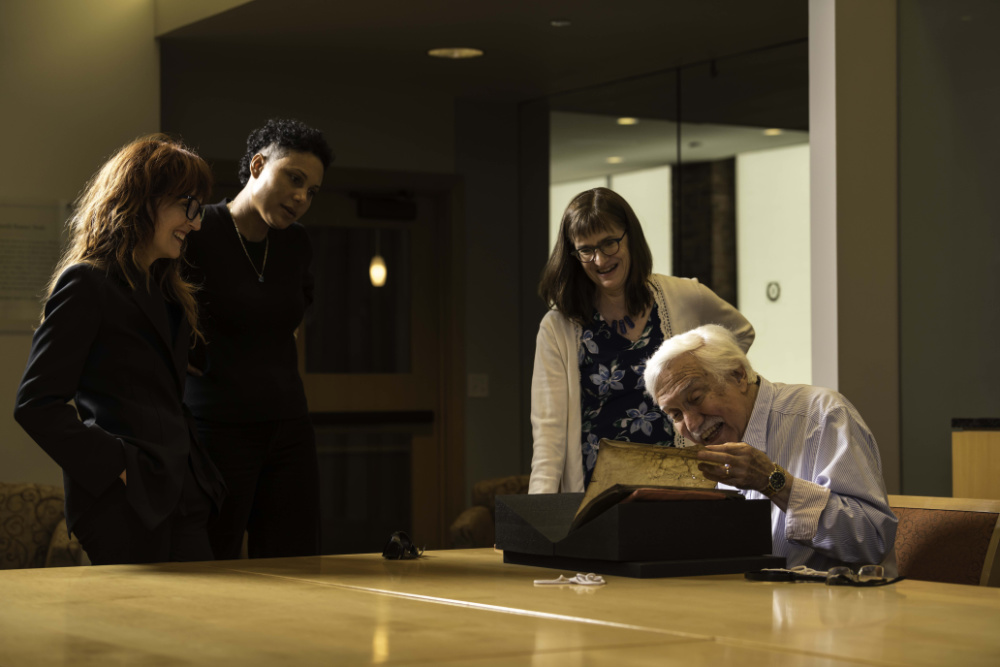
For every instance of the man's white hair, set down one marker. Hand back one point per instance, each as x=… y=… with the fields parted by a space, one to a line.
x=713 y=346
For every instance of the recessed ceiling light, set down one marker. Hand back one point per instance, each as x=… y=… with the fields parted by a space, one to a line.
x=455 y=53
x=627 y=121
x=772 y=132
x=615 y=160
x=560 y=23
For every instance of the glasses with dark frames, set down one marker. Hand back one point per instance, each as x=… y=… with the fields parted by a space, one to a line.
x=608 y=247
x=400 y=547
x=193 y=207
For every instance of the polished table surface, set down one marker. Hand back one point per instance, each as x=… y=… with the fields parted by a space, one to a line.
x=469 y=608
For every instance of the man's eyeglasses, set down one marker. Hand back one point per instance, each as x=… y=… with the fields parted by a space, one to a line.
x=867 y=575
x=193 y=207
x=400 y=547
x=608 y=247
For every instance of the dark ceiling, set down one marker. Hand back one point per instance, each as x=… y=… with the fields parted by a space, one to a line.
x=526 y=57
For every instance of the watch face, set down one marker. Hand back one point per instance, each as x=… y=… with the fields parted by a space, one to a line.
x=777 y=480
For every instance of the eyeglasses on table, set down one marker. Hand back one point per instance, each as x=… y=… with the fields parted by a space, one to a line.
x=401 y=547
x=867 y=575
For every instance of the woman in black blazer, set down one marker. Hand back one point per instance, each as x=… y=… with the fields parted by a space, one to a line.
x=118 y=323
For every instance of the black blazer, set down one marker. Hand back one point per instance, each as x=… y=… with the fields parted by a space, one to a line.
x=110 y=348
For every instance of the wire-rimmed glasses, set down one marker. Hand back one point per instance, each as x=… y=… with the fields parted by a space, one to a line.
x=608 y=247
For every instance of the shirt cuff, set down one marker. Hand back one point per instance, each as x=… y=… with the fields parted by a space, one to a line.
x=805 y=505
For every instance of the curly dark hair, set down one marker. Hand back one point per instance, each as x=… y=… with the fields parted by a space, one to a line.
x=286 y=134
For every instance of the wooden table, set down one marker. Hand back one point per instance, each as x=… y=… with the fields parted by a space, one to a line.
x=469 y=608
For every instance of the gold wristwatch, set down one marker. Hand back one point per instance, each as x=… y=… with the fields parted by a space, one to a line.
x=776 y=481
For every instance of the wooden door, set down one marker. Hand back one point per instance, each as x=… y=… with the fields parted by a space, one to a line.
x=383 y=366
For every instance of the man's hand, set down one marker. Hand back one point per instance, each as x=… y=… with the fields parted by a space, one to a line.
x=745 y=467
x=736 y=464
x=122 y=478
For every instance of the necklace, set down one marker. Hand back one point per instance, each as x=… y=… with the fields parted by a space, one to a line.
x=267 y=244
x=619 y=325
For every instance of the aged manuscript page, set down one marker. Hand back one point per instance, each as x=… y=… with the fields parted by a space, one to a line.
x=635 y=465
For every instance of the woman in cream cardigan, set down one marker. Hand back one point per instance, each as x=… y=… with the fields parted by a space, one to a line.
x=609 y=314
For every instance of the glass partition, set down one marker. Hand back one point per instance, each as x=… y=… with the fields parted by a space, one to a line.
x=714 y=158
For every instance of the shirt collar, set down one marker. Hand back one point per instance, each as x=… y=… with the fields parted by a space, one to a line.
x=756 y=431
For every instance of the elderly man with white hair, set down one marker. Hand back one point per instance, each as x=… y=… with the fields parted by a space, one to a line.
x=805 y=448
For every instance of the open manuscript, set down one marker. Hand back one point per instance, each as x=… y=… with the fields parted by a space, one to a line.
x=626 y=470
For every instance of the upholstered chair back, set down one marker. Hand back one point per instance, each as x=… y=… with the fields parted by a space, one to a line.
x=951 y=540
x=33 y=527
x=475 y=527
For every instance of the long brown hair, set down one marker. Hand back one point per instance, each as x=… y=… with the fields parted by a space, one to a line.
x=113 y=222
x=565 y=285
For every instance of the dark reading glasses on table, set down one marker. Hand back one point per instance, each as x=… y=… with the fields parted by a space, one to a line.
x=400 y=547
x=867 y=575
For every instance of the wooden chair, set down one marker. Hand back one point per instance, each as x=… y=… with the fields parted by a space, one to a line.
x=951 y=540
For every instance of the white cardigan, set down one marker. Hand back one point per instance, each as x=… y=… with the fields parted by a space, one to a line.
x=557 y=458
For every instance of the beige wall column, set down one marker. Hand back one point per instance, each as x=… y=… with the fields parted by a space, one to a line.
x=854 y=218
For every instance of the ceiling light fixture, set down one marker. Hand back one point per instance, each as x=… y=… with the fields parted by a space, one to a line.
x=773 y=132
x=615 y=160
x=627 y=120
x=455 y=53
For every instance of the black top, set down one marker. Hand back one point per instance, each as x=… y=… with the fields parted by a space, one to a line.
x=250 y=363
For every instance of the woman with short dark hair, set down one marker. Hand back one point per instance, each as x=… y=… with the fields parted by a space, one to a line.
x=252 y=260
x=609 y=312
x=118 y=322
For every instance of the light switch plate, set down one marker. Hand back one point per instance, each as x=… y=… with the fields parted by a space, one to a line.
x=479 y=385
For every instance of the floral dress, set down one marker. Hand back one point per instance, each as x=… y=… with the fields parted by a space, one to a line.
x=613 y=395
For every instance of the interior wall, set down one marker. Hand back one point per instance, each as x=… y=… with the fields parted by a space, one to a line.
x=823 y=192
x=648 y=192
x=949 y=236
x=172 y=14
x=560 y=195
x=486 y=157
x=78 y=81
x=854 y=216
x=533 y=173
x=772 y=230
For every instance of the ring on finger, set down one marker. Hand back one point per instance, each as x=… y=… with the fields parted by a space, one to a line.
x=727 y=470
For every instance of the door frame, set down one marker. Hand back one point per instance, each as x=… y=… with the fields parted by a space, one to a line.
x=438 y=458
